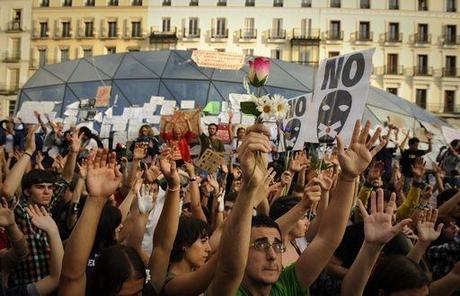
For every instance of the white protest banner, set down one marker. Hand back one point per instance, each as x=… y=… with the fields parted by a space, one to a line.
x=218 y=60
x=27 y=110
x=450 y=134
x=340 y=94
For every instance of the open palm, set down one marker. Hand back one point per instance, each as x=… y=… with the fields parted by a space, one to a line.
x=6 y=214
x=41 y=218
x=425 y=226
x=103 y=175
x=168 y=168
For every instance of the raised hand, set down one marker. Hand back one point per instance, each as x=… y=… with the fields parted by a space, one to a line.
x=359 y=154
x=212 y=179
x=286 y=178
x=6 y=214
x=75 y=145
x=418 y=169
x=190 y=168
x=256 y=141
x=145 y=199
x=169 y=170
x=377 y=225
x=297 y=164
x=104 y=177
x=83 y=168
x=264 y=187
x=140 y=150
x=41 y=218
x=425 y=226
x=30 y=140
x=325 y=180
x=312 y=191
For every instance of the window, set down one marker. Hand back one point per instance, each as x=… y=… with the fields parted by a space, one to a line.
x=193 y=3
x=393 y=4
x=392 y=64
x=66 y=29
x=422 y=64
x=332 y=54
x=113 y=2
x=248 y=51
x=305 y=28
x=250 y=2
x=166 y=2
x=450 y=6
x=136 y=29
x=221 y=27
x=276 y=54
x=67 y=3
x=137 y=2
x=90 y=2
x=64 y=55
x=87 y=52
x=277 y=28
x=44 y=29
x=113 y=29
x=335 y=3
x=451 y=66
x=335 y=32
x=15 y=49
x=221 y=2
x=14 y=79
x=248 y=31
x=451 y=34
x=220 y=49
x=89 y=29
x=193 y=30
x=111 y=50
x=393 y=32
x=166 y=25
x=45 y=3
x=12 y=106
x=278 y=3
x=306 y=3
x=422 y=5
x=422 y=33
x=42 y=57
x=364 y=31
x=449 y=101
x=392 y=90
x=365 y=4
x=420 y=97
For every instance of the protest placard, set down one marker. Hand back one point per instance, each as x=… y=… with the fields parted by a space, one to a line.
x=103 y=96
x=210 y=160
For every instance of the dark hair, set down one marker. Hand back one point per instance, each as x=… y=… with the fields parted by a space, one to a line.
x=109 y=221
x=413 y=141
x=446 y=195
x=86 y=131
x=114 y=266
x=212 y=124
x=264 y=221
x=231 y=196
x=395 y=273
x=36 y=176
x=282 y=205
x=240 y=128
x=190 y=229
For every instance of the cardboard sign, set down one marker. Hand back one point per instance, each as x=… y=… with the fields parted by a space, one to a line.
x=218 y=60
x=103 y=96
x=450 y=134
x=340 y=94
x=222 y=133
x=210 y=161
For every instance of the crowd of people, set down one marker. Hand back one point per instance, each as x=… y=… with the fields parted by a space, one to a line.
x=78 y=218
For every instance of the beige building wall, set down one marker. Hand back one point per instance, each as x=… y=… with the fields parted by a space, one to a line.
x=304 y=31
x=68 y=35
x=15 y=27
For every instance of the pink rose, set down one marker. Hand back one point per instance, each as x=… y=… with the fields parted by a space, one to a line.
x=259 y=69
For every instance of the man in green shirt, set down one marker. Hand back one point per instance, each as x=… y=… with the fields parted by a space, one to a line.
x=250 y=253
x=211 y=141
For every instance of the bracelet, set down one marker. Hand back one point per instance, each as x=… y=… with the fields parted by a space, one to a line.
x=27 y=153
x=173 y=190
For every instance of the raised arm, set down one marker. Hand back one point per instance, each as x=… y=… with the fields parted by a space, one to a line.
x=235 y=240
x=103 y=179
x=166 y=230
x=41 y=219
x=71 y=160
x=40 y=121
x=378 y=231
x=353 y=162
x=447 y=284
x=13 y=179
x=195 y=202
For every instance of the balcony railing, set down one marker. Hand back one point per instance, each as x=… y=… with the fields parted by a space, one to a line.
x=221 y=2
x=9 y=89
x=423 y=71
x=362 y=36
x=451 y=40
x=305 y=34
x=334 y=35
x=137 y=3
x=276 y=35
x=250 y=3
x=451 y=72
x=14 y=26
x=393 y=37
x=442 y=109
x=278 y=3
x=219 y=34
x=247 y=34
x=194 y=34
x=393 y=70
x=164 y=36
x=193 y=3
x=11 y=56
x=421 y=38
x=166 y=3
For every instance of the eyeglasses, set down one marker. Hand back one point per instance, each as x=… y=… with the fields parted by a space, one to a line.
x=263 y=245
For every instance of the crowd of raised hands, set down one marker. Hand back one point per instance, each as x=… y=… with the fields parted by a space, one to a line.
x=93 y=222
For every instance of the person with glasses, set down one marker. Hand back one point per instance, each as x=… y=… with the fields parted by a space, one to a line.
x=252 y=264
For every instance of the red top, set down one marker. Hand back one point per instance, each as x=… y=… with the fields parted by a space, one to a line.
x=180 y=146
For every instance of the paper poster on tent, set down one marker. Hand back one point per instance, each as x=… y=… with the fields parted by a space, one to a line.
x=340 y=94
x=103 y=96
x=450 y=134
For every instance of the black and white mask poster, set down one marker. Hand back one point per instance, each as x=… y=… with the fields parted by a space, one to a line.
x=339 y=97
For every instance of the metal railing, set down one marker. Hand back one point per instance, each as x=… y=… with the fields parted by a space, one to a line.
x=193 y=3
x=276 y=34
x=186 y=33
x=450 y=72
x=363 y=36
x=137 y=3
x=393 y=37
x=333 y=35
x=393 y=70
x=423 y=71
x=13 y=56
x=277 y=3
x=219 y=34
x=451 y=40
x=14 y=26
x=248 y=34
x=250 y=3
x=221 y=2
x=304 y=33
x=421 y=38
x=166 y=3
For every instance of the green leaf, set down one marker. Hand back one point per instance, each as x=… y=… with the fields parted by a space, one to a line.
x=249 y=108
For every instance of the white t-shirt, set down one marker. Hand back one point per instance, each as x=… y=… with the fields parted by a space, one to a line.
x=90 y=144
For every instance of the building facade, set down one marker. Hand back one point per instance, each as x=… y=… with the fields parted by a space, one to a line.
x=417 y=41
x=71 y=29
x=15 y=29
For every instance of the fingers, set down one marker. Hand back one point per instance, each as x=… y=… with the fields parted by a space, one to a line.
x=362 y=209
x=356 y=130
x=43 y=211
x=434 y=216
x=374 y=138
x=257 y=128
x=340 y=146
x=365 y=133
x=380 y=203
x=439 y=228
x=4 y=203
x=373 y=203
x=391 y=205
x=398 y=227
